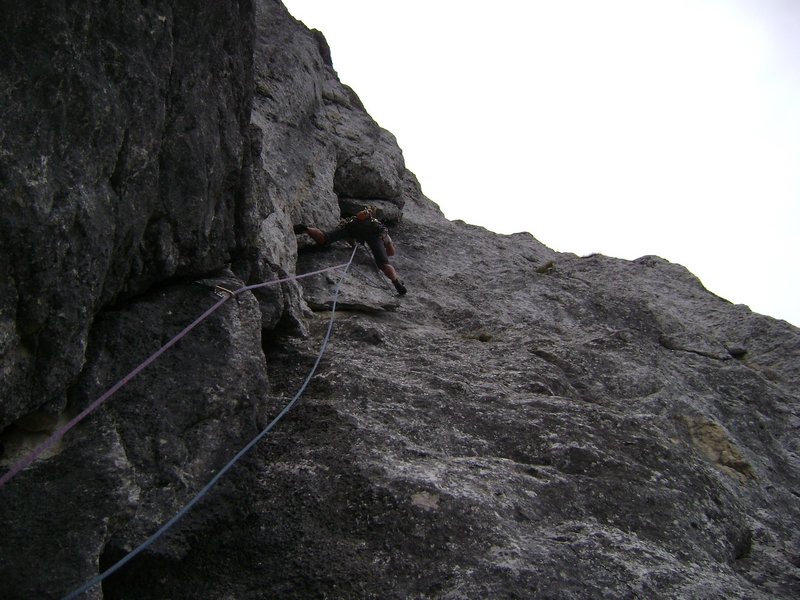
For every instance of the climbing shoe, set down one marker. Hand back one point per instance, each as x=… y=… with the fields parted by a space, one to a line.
x=398 y=285
x=300 y=228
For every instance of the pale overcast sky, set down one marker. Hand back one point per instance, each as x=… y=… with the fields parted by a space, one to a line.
x=626 y=127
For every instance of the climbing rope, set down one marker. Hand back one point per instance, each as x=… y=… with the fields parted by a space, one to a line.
x=381 y=286
x=241 y=453
x=224 y=293
x=371 y=282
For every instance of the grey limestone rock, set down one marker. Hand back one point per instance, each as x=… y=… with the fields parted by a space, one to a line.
x=522 y=424
x=121 y=149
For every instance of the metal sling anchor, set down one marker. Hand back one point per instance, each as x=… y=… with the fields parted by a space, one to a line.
x=221 y=291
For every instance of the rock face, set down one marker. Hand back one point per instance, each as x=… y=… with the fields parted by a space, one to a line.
x=122 y=154
x=523 y=423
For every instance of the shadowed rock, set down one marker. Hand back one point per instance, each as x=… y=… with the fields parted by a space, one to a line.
x=523 y=424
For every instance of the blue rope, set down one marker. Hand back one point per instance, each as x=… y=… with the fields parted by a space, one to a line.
x=225 y=469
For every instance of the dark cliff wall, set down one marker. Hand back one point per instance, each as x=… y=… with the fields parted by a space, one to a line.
x=146 y=146
x=523 y=424
x=123 y=135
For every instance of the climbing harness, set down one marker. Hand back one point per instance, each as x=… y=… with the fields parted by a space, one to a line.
x=241 y=453
x=224 y=295
x=363 y=225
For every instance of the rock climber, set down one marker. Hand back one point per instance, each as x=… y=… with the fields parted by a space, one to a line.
x=363 y=227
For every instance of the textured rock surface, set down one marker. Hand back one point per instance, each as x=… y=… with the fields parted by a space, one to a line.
x=123 y=130
x=523 y=424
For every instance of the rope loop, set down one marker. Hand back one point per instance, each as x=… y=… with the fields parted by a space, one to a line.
x=230 y=464
x=224 y=295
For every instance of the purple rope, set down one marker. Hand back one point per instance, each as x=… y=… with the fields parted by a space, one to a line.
x=58 y=434
x=230 y=464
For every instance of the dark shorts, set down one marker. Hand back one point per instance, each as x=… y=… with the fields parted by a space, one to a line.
x=375 y=244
